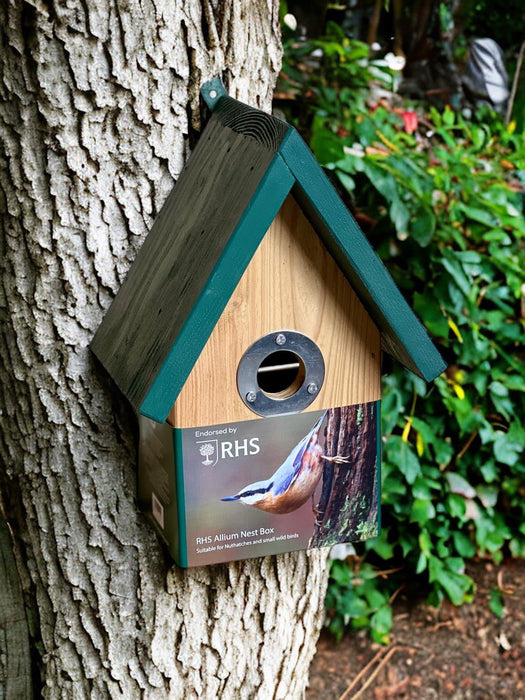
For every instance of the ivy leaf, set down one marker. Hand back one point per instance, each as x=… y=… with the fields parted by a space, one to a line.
x=422 y=226
x=381 y=625
x=496 y=602
x=459 y=485
x=422 y=511
x=506 y=451
x=457 y=586
x=400 y=454
x=463 y=544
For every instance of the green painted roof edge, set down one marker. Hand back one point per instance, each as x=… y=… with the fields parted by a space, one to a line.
x=379 y=459
x=359 y=262
x=177 y=438
x=237 y=253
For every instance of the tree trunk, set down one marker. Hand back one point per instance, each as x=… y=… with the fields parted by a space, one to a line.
x=348 y=507
x=99 y=101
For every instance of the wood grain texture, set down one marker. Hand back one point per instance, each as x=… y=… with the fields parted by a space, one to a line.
x=178 y=257
x=265 y=129
x=291 y=283
x=15 y=660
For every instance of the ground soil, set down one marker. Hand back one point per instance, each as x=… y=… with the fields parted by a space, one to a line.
x=464 y=653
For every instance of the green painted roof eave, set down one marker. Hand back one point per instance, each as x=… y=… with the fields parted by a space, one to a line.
x=403 y=335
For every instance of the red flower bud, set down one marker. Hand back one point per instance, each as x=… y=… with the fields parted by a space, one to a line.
x=410 y=122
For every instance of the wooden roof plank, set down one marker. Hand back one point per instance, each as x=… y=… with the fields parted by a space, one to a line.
x=205 y=312
x=178 y=256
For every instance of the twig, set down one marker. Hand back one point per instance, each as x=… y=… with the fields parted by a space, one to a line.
x=386 y=658
x=466 y=445
x=514 y=88
x=396 y=593
x=362 y=673
x=508 y=591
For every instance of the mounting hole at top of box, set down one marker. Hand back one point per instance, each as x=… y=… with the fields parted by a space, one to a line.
x=280 y=373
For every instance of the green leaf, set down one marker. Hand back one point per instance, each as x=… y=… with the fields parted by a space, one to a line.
x=448 y=116
x=401 y=454
x=506 y=451
x=422 y=511
x=341 y=572
x=456 y=506
x=482 y=216
x=458 y=587
x=422 y=226
x=326 y=146
x=517 y=547
x=425 y=542
x=463 y=544
x=353 y=605
x=489 y=471
x=496 y=602
x=381 y=625
x=337 y=627
x=428 y=310
x=381 y=546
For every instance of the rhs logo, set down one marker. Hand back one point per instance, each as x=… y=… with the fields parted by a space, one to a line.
x=208 y=448
x=213 y=450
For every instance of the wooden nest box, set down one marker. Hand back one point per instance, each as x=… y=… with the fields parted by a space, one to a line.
x=248 y=332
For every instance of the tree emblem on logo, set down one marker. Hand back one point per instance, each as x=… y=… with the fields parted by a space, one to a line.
x=206 y=450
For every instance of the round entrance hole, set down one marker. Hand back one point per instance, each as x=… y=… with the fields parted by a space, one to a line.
x=281 y=374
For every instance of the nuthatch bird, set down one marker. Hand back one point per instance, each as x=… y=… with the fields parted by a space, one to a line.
x=293 y=483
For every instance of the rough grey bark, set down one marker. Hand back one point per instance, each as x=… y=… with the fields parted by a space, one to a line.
x=98 y=101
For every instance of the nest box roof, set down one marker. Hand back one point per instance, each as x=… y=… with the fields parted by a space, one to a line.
x=241 y=171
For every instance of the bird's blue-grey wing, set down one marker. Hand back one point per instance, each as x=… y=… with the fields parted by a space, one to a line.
x=288 y=471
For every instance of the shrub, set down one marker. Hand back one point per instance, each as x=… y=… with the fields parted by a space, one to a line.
x=441 y=199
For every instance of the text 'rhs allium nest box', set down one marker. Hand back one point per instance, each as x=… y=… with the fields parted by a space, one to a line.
x=248 y=337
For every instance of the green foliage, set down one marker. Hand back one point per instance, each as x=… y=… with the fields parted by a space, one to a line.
x=496 y=602
x=443 y=206
x=355 y=600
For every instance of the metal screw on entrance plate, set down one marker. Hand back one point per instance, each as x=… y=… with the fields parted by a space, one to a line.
x=251 y=396
x=312 y=388
x=280 y=339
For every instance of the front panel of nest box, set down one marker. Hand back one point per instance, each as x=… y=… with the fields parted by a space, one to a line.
x=272 y=445
x=291 y=283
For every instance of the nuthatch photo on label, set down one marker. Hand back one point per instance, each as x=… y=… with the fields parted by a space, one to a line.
x=294 y=482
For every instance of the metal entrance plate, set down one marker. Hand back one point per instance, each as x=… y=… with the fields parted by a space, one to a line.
x=280 y=373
